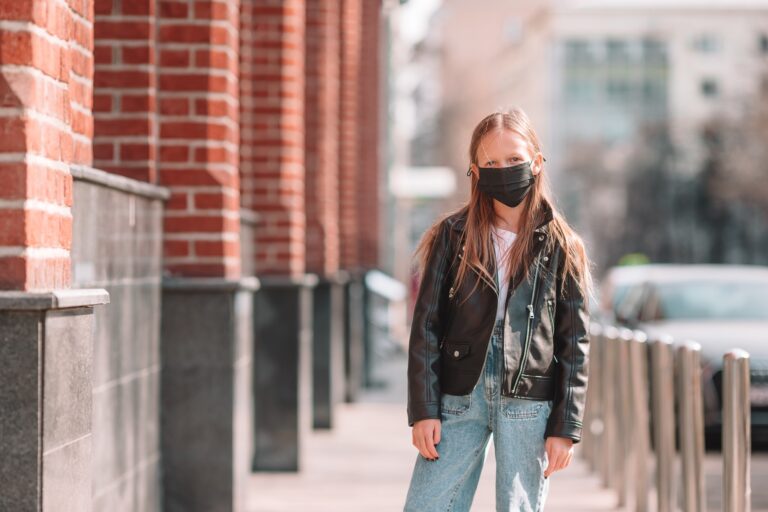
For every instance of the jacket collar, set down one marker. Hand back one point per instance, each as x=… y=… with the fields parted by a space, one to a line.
x=542 y=227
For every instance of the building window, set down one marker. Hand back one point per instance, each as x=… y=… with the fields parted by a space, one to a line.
x=578 y=52
x=617 y=50
x=654 y=51
x=706 y=43
x=617 y=89
x=709 y=87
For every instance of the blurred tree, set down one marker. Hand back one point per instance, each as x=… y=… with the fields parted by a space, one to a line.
x=732 y=191
x=650 y=206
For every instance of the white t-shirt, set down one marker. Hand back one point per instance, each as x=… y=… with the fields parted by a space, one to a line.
x=502 y=241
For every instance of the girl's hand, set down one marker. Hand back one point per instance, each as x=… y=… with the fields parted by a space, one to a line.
x=559 y=453
x=426 y=434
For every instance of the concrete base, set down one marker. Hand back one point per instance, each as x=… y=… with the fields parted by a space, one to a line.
x=46 y=346
x=282 y=370
x=353 y=337
x=206 y=398
x=328 y=349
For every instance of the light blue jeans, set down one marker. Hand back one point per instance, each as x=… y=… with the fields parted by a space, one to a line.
x=467 y=422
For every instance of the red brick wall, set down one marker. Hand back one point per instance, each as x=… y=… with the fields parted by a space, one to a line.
x=370 y=163
x=348 y=139
x=321 y=124
x=199 y=135
x=125 y=83
x=46 y=74
x=272 y=160
x=168 y=110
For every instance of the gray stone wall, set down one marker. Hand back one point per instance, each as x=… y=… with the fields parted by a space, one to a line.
x=117 y=245
x=46 y=442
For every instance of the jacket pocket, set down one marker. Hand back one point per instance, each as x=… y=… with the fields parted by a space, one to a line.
x=456 y=350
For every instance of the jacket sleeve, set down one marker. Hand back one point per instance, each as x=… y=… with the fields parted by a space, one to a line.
x=426 y=331
x=571 y=346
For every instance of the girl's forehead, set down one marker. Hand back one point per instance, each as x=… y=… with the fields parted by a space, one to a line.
x=502 y=141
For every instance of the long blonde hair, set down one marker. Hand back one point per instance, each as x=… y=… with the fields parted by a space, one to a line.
x=479 y=252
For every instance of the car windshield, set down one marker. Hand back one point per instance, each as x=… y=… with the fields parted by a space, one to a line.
x=738 y=300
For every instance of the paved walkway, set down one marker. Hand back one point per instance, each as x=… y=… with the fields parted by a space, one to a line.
x=365 y=462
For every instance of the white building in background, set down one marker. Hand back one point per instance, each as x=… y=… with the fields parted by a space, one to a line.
x=591 y=75
x=626 y=61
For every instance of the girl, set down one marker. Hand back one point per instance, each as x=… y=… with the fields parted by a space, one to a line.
x=499 y=342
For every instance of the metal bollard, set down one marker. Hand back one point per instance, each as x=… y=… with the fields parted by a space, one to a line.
x=626 y=423
x=736 y=432
x=663 y=417
x=638 y=375
x=691 y=425
x=609 y=455
x=593 y=433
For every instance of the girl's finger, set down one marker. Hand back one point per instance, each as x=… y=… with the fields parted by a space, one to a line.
x=551 y=459
x=436 y=434
x=430 y=446
x=420 y=446
x=558 y=462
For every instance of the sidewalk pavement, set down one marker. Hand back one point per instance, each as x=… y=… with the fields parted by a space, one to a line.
x=364 y=464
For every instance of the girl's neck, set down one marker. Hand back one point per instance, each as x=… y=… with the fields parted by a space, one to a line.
x=508 y=217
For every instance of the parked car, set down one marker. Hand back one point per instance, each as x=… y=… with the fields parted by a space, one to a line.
x=719 y=306
x=613 y=288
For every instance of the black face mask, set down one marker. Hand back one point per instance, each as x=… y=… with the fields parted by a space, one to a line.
x=509 y=185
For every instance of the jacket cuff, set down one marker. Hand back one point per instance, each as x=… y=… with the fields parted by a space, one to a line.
x=564 y=429
x=423 y=410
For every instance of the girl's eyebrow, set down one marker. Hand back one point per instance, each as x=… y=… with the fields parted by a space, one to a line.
x=508 y=156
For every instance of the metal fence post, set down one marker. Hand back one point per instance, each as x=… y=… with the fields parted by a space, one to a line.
x=638 y=375
x=608 y=375
x=663 y=414
x=691 y=425
x=736 y=432
x=593 y=433
x=626 y=423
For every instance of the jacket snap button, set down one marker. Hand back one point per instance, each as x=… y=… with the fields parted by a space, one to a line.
x=455 y=353
x=541 y=237
x=546 y=258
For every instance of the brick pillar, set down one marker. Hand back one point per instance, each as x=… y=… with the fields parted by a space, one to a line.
x=349 y=119
x=273 y=132
x=321 y=125
x=125 y=82
x=206 y=327
x=199 y=136
x=273 y=168
x=369 y=156
x=350 y=55
x=46 y=72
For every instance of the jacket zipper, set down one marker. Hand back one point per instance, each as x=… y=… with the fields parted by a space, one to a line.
x=528 y=333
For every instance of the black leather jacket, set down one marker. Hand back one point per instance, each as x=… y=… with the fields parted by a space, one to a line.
x=546 y=347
